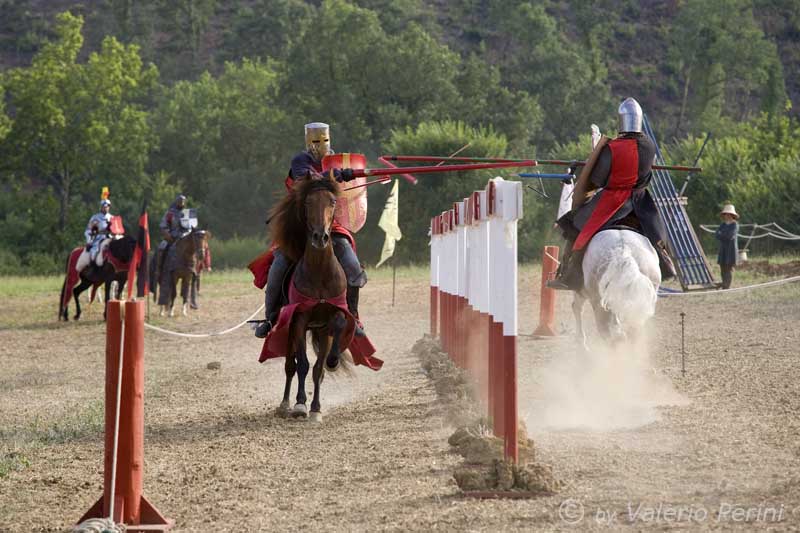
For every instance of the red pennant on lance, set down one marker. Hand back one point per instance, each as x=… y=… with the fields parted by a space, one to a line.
x=139 y=263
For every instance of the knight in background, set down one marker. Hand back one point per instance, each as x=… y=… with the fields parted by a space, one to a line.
x=611 y=192
x=171 y=230
x=97 y=230
x=305 y=164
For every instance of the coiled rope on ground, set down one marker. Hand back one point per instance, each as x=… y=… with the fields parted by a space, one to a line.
x=99 y=525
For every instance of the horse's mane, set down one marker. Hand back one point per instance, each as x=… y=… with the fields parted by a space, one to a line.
x=288 y=217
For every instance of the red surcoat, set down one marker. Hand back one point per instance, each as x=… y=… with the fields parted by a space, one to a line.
x=621 y=180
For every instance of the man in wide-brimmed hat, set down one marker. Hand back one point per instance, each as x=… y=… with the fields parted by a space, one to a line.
x=728 y=244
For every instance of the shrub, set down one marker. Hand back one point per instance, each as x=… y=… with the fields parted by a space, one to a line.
x=9 y=263
x=40 y=263
x=235 y=252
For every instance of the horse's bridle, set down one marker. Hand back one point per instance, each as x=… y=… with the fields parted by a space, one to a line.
x=318 y=186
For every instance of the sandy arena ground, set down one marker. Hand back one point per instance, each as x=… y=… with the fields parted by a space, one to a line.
x=637 y=444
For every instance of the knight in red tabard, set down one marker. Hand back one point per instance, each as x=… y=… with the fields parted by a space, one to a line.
x=612 y=193
x=309 y=162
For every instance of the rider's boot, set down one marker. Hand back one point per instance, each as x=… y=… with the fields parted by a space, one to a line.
x=559 y=283
x=665 y=262
x=263 y=328
x=570 y=277
x=352 y=306
x=272 y=294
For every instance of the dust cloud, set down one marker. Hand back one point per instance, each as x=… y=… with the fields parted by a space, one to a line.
x=604 y=388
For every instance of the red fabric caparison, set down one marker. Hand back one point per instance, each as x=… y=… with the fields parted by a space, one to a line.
x=277 y=343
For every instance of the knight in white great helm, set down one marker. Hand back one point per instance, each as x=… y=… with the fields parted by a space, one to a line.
x=612 y=192
x=98 y=228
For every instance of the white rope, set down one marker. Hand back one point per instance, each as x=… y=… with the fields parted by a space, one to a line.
x=737 y=289
x=770 y=230
x=203 y=335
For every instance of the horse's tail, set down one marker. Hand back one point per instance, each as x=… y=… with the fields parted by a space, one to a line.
x=625 y=290
x=346 y=365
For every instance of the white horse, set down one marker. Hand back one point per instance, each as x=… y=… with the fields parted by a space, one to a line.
x=621 y=278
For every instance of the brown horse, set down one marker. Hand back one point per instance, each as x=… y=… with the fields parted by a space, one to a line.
x=301 y=227
x=188 y=251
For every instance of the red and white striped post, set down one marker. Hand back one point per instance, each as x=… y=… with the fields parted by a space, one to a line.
x=474 y=267
x=436 y=241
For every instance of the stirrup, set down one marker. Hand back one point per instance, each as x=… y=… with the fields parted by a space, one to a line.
x=262 y=329
x=359 y=329
x=557 y=284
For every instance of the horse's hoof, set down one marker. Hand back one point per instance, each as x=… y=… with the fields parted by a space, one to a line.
x=316 y=416
x=282 y=411
x=332 y=364
x=300 y=411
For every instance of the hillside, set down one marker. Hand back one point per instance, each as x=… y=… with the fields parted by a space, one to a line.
x=630 y=39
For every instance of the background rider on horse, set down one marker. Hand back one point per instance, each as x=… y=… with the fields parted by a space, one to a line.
x=98 y=228
x=305 y=164
x=619 y=170
x=171 y=231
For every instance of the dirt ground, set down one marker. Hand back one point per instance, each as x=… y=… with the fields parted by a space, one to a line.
x=634 y=442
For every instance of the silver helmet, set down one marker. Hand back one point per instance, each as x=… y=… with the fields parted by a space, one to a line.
x=105 y=202
x=630 y=116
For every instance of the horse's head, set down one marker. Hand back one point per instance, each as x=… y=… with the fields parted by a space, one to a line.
x=306 y=213
x=200 y=243
x=319 y=206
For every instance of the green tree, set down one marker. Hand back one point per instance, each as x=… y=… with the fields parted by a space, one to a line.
x=535 y=56
x=185 y=24
x=223 y=139
x=266 y=28
x=79 y=124
x=434 y=192
x=5 y=120
x=723 y=60
x=368 y=82
x=483 y=100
